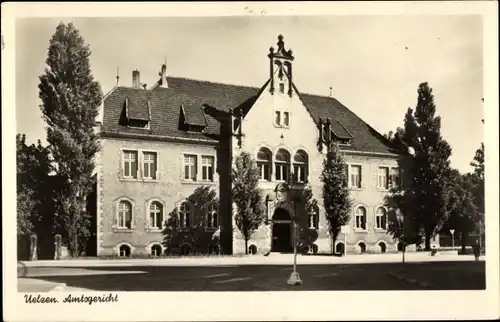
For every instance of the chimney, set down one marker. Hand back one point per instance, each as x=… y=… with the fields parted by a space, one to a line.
x=136 y=80
x=163 y=75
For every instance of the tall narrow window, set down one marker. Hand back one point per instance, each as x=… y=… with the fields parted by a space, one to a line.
x=381 y=218
x=313 y=218
x=300 y=166
x=264 y=162
x=190 y=167
x=130 y=164
x=124 y=215
x=277 y=118
x=286 y=119
x=355 y=173
x=383 y=178
x=360 y=218
x=282 y=88
x=156 y=215
x=184 y=215
x=212 y=216
x=207 y=168
x=395 y=178
x=149 y=164
x=282 y=164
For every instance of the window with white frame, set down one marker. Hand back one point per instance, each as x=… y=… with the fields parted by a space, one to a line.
x=124 y=215
x=395 y=178
x=313 y=218
x=207 y=168
x=190 y=167
x=212 y=216
x=277 y=117
x=383 y=178
x=282 y=165
x=130 y=164
x=286 y=119
x=360 y=217
x=184 y=215
x=355 y=176
x=149 y=165
x=300 y=166
x=264 y=163
x=381 y=218
x=156 y=215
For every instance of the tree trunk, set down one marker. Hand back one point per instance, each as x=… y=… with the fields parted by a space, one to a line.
x=427 y=241
x=463 y=241
x=246 y=246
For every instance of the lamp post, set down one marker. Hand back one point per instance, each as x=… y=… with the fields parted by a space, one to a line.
x=294 y=276
x=402 y=224
x=452 y=231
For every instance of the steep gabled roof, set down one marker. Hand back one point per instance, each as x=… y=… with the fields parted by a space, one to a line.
x=205 y=101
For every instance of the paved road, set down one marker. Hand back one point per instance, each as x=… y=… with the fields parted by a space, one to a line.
x=434 y=275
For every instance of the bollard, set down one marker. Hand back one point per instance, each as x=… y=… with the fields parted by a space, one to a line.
x=33 y=248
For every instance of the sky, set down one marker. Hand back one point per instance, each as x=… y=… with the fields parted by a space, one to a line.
x=373 y=64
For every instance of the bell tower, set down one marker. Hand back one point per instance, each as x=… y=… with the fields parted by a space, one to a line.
x=280 y=68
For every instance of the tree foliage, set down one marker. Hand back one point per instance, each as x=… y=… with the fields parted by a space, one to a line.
x=247 y=196
x=70 y=102
x=336 y=199
x=426 y=199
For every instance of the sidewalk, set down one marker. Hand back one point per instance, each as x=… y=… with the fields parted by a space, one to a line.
x=273 y=259
x=31 y=285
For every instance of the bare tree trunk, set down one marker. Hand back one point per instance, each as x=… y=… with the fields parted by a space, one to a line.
x=246 y=246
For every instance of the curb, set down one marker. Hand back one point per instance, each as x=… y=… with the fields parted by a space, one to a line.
x=409 y=280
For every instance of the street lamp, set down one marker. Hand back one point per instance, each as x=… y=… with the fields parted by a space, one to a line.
x=402 y=224
x=452 y=231
x=294 y=276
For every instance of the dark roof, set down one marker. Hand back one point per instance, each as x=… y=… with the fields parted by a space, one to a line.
x=205 y=101
x=138 y=108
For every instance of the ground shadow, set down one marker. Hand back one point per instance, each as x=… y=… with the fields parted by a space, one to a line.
x=377 y=277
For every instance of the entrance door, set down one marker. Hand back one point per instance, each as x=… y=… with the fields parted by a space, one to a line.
x=281 y=232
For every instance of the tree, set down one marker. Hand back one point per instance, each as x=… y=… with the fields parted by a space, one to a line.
x=428 y=193
x=477 y=178
x=247 y=196
x=70 y=102
x=336 y=199
x=463 y=211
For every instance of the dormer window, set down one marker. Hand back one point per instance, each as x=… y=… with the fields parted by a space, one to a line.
x=137 y=114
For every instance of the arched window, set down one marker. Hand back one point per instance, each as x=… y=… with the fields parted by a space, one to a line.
x=361 y=218
x=313 y=218
x=185 y=215
x=156 y=250
x=156 y=215
x=381 y=218
x=300 y=166
x=124 y=215
x=264 y=162
x=124 y=251
x=212 y=216
x=282 y=164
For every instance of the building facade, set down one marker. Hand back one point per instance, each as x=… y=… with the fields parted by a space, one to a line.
x=163 y=172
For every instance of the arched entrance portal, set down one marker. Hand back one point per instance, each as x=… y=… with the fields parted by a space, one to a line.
x=281 y=238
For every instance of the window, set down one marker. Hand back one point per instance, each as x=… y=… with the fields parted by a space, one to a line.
x=395 y=178
x=286 y=118
x=124 y=251
x=184 y=215
x=383 y=178
x=156 y=250
x=313 y=218
x=300 y=166
x=264 y=163
x=355 y=176
x=130 y=164
x=360 y=218
x=282 y=164
x=277 y=119
x=212 y=216
x=124 y=216
x=381 y=218
x=190 y=167
x=156 y=215
x=282 y=88
x=207 y=168
x=149 y=165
